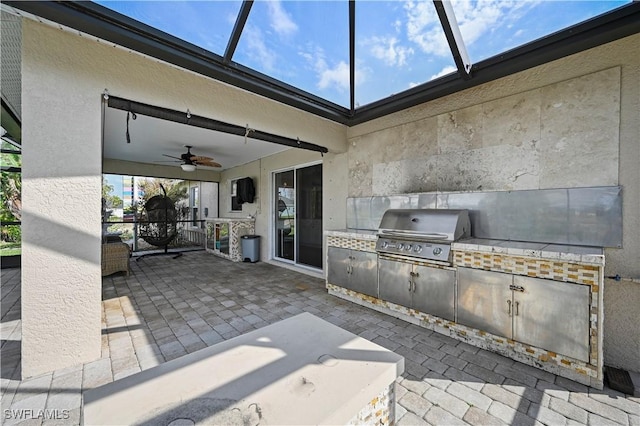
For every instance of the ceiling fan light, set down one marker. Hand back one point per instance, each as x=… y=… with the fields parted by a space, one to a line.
x=188 y=167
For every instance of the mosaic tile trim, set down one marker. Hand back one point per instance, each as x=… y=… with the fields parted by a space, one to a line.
x=381 y=410
x=353 y=244
x=531 y=267
x=581 y=372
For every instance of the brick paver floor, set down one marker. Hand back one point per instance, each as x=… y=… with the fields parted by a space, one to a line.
x=168 y=308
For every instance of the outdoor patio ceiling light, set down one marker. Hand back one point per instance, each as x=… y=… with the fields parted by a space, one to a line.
x=188 y=167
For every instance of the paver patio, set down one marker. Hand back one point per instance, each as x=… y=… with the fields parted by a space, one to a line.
x=171 y=307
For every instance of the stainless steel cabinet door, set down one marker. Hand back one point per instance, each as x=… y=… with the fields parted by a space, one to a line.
x=338 y=266
x=552 y=315
x=364 y=273
x=484 y=301
x=434 y=291
x=393 y=279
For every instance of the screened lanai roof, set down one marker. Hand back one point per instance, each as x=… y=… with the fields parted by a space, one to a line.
x=398 y=45
x=351 y=61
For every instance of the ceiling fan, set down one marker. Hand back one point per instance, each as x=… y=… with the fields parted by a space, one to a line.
x=190 y=161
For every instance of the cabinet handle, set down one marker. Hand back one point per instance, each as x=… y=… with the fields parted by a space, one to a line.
x=410 y=285
x=517 y=308
x=509 y=307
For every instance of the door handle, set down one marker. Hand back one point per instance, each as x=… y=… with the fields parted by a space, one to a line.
x=509 y=307
x=517 y=308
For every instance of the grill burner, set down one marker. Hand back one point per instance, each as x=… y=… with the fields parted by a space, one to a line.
x=422 y=233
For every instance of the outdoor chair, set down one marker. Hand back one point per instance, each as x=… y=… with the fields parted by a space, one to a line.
x=115 y=258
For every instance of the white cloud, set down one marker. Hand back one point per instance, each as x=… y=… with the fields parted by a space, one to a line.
x=259 y=50
x=337 y=76
x=280 y=20
x=444 y=71
x=424 y=29
x=474 y=18
x=388 y=50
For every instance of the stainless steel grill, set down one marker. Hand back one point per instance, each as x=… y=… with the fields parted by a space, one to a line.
x=422 y=233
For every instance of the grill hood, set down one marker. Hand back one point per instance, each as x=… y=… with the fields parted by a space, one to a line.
x=426 y=224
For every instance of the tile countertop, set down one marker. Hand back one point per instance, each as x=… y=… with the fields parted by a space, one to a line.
x=583 y=254
x=358 y=234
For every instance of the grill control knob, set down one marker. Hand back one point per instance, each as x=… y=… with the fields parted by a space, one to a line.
x=417 y=248
x=385 y=244
x=437 y=251
x=408 y=247
x=400 y=246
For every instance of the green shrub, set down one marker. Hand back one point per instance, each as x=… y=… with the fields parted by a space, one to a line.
x=11 y=233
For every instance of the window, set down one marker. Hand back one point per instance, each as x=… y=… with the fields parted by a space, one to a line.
x=235 y=205
x=193 y=201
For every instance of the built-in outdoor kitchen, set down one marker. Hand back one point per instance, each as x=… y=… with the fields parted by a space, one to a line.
x=519 y=273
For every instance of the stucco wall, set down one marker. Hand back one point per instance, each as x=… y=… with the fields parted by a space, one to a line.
x=64 y=75
x=570 y=123
x=262 y=207
x=61 y=181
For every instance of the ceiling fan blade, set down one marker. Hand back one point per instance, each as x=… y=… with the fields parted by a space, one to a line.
x=171 y=156
x=200 y=158
x=208 y=164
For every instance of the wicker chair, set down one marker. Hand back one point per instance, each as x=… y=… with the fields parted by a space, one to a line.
x=115 y=258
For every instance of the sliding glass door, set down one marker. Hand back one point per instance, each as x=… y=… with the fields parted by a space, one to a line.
x=298 y=215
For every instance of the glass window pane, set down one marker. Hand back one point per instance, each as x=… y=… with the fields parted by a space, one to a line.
x=309 y=215
x=302 y=43
x=285 y=214
x=399 y=45
x=207 y=24
x=492 y=27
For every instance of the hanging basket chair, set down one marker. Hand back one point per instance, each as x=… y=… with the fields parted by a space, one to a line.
x=158 y=224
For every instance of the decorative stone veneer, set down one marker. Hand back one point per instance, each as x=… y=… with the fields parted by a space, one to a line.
x=237 y=228
x=590 y=373
x=381 y=410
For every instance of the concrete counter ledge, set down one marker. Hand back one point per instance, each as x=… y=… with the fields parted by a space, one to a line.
x=302 y=370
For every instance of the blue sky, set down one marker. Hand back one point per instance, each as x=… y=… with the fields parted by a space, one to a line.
x=399 y=44
x=116 y=182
